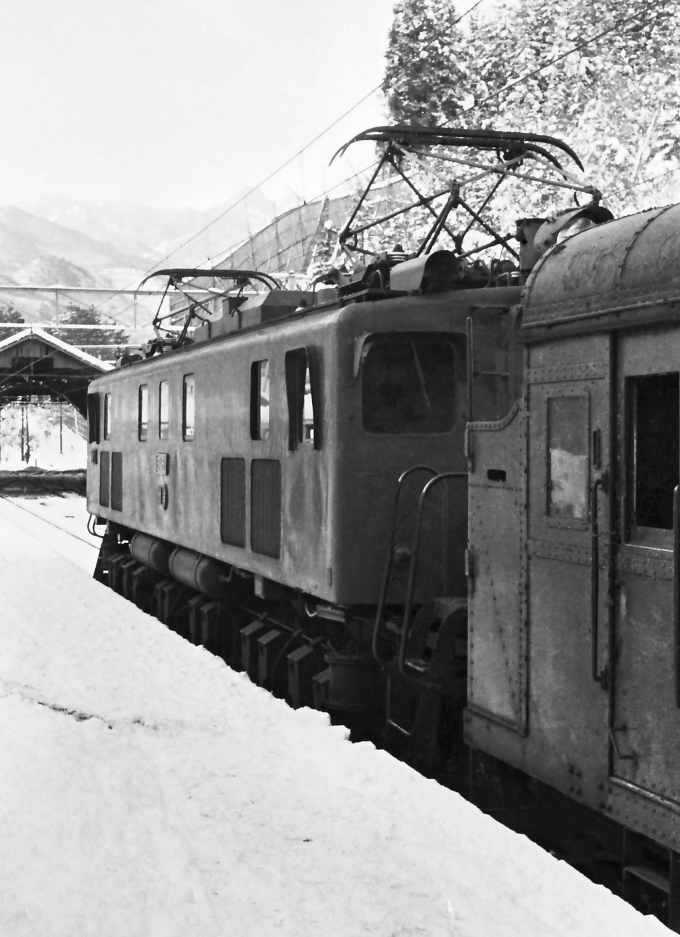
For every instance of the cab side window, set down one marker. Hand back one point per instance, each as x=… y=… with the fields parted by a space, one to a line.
x=93 y=418
x=107 y=416
x=143 y=412
x=259 y=399
x=163 y=410
x=188 y=407
x=302 y=417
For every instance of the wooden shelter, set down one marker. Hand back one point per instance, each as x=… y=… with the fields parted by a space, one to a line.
x=34 y=363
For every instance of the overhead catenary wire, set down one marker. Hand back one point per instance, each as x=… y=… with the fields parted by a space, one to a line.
x=619 y=24
x=291 y=159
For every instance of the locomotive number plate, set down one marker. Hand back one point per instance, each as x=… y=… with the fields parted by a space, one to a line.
x=162 y=463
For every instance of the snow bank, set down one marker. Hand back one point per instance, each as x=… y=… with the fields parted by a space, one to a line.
x=148 y=790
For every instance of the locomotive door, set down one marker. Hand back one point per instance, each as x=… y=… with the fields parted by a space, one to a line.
x=569 y=404
x=645 y=718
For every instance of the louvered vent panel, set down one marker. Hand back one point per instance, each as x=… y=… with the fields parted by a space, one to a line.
x=104 y=478
x=233 y=502
x=117 y=481
x=265 y=507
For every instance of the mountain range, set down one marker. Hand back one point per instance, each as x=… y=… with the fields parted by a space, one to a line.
x=48 y=241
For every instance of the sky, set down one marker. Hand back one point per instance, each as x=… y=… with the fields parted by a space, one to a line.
x=178 y=103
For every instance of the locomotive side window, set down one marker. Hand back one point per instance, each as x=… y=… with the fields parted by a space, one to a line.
x=259 y=399
x=189 y=407
x=301 y=416
x=143 y=412
x=568 y=419
x=408 y=383
x=653 y=448
x=93 y=418
x=163 y=410
x=107 y=416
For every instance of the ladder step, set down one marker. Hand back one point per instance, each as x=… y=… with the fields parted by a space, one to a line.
x=649 y=876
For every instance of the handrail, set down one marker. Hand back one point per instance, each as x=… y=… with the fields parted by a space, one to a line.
x=388 y=563
x=676 y=591
x=595 y=577
x=415 y=548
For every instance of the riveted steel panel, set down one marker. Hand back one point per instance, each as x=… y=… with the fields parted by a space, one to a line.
x=561 y=552
x=644 y=811
x=601 y=278
x=586 y=370
x=497 y=653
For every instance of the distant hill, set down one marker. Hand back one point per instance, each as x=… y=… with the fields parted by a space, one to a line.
x=151 y=233
x=48 y=241
x=25 y=237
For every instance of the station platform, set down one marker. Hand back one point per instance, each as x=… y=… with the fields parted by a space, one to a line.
x=146 y=789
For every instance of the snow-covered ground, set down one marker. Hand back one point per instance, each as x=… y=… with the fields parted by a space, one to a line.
x=53 y=443
x=146 y=790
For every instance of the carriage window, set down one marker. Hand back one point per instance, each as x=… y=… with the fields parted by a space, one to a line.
x=259 y=399
x=301 y=429
x=407 y=383
x=654 y=450
x=143 y=412
x=568 y=456
x=107 y=416
x=189 y=407
x=163 y=410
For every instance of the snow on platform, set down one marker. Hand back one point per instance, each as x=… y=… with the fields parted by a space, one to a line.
x=147 y=790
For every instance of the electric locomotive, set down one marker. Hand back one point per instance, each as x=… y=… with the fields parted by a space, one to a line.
x=441 y=497
x=247 y=473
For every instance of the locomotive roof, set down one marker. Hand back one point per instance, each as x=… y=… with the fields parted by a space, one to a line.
x=621 y=273
x=396 y=314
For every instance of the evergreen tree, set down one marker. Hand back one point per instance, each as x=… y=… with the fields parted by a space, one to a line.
x=81 y=315
x=616 y=99
x=9 y=314
x=427 y=69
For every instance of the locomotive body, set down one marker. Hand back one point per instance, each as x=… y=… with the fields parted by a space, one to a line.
x=574 y=676
x=276 y=449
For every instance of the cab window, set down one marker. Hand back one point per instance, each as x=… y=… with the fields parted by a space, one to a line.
x=407 y=383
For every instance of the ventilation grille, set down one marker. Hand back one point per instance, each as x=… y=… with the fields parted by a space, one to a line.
x=233 y=502
x=117 y=481
x=265 y=507
x=104 y=478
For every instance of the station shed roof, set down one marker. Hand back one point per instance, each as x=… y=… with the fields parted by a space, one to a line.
x=35 y=363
